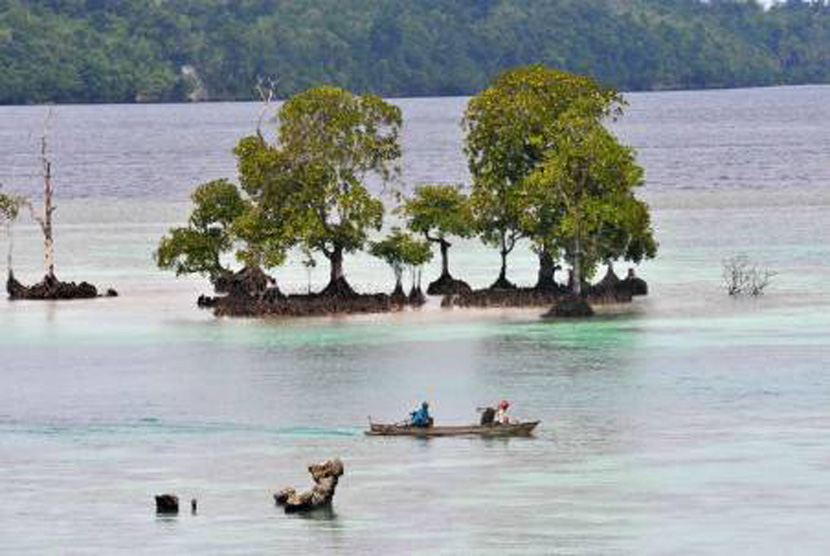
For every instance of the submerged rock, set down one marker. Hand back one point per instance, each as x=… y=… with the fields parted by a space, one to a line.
x=325 y=476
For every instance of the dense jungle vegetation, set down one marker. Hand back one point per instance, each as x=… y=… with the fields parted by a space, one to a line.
x=172 y=50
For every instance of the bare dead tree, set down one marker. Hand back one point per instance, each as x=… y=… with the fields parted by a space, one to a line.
x=266 y=88
x=45 y=219
x=743 y=277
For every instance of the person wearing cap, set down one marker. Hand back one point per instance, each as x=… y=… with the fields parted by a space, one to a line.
x=501 y=415
x=420 y=417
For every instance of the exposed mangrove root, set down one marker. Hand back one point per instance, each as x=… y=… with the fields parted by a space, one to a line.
x=570 y=307
x=416 y=297
x=633 y=284
x=503 y=284
x=302 y=305
x=609 y=290
x=339 y=288
x=325 y=476
x=50 y=288
x=490 y=297
x=252 y=293
x=447 y=285
x=398 y=296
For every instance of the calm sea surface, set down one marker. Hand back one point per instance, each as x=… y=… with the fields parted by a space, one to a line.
x=690 y=423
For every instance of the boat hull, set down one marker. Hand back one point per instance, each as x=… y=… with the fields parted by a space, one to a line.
x=513 y=429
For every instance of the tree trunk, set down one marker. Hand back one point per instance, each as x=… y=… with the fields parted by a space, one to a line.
x=10 y=254
x=337 y=286
x=577 y=281
x=445 y=257
x=547 y=268
x=48 y=208
x=336 y=261
x=503 y=272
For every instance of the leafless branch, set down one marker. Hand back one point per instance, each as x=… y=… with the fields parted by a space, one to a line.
x=743 y=277
x=266 y=88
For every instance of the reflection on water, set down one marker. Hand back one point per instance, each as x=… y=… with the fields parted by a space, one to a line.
x=687 y=422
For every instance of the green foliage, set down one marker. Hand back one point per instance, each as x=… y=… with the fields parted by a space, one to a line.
x=438 y=211
x=307 y=189
x=10 y=206
x=312 y=180
x=198 y=247
x=120 y=51
x=589 y=179
x=399 y=249
x=510 y=127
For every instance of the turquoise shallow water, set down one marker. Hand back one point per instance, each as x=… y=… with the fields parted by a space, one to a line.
x=686 y=423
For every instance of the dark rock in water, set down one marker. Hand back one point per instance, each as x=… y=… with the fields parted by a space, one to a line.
x=111 y=293
x=326 y=476
x=87 y=290
x=193 y=508
x=50 y=288
x=167 y=504
x=571 y=307
x=447 y=285
x=206 y=301
x=633 y=285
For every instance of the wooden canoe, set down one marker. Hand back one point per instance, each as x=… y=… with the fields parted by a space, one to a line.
x=512 y=429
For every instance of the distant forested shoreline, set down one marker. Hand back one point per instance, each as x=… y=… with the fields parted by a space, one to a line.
x=89 y=51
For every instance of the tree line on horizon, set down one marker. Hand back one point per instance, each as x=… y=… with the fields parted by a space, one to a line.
x=544 y=168
x=152 y=51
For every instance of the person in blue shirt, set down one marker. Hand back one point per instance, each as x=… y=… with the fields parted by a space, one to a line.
x=420 y=417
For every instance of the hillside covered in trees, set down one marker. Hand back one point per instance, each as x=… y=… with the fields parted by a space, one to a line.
x=172 y=50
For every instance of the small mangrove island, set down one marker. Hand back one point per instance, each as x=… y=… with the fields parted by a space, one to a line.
x=11 y=207
x=545 y=169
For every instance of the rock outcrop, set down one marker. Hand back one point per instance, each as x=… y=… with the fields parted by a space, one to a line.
x=167 y=504
x=326 y=476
